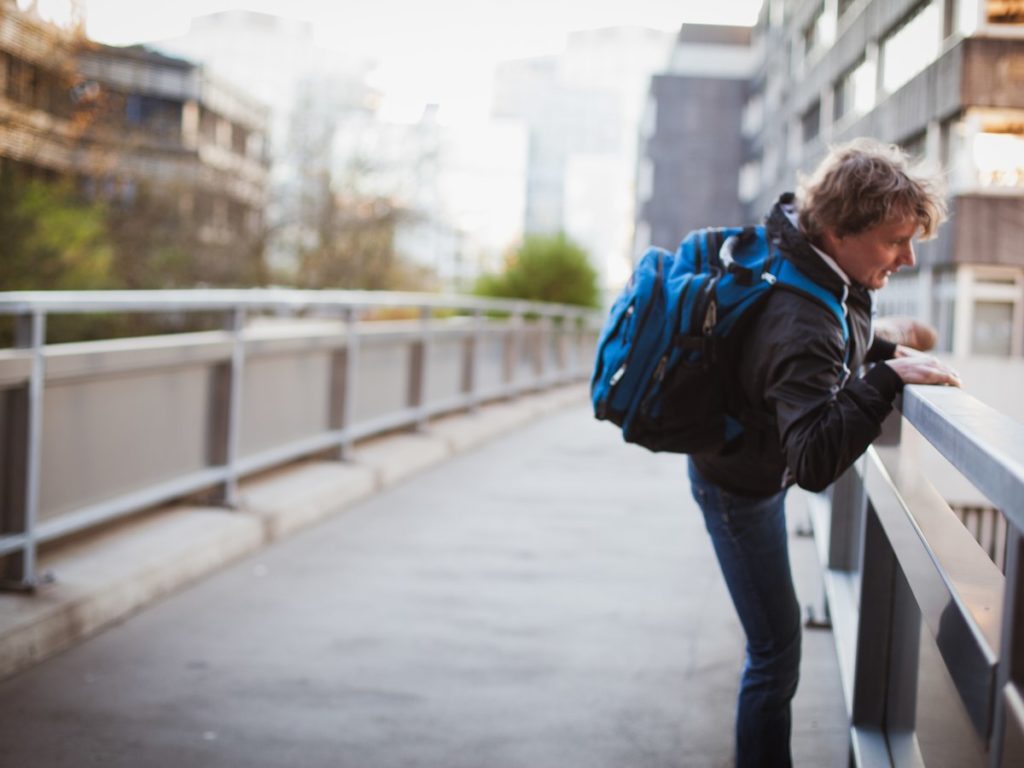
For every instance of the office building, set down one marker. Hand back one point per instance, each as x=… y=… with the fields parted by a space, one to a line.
x=692 y=146
x=945 y=80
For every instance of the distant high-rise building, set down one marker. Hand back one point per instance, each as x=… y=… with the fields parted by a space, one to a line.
x=942 y=78
x=691 y=137
x=582 y=109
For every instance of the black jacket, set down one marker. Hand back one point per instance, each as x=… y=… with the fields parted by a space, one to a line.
x=806 y=421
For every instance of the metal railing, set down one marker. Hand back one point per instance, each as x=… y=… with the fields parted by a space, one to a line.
x=93 y=431
x=929 y=631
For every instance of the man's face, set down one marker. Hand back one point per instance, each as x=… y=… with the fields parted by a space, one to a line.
x=870 y=257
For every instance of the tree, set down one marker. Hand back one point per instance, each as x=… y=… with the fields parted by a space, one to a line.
x=50 y=239
x=544 y=268
x=355 y=247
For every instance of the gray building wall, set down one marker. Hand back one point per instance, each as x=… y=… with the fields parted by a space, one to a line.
x=696 y=153
x=692 y=145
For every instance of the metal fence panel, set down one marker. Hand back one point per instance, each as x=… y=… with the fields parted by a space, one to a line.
x=109 y=436
x=90 y=432
x=285 y=398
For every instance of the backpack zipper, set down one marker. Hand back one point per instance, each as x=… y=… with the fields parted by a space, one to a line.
x=659 y=369
x=617 y=376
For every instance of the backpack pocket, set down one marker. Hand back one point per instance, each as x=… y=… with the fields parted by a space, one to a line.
x=681 y=400
x=630 y=338
x=684 y=411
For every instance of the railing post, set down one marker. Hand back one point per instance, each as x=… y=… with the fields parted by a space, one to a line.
x=25 y=419
x=1007 y=742
x=849 y=501
x=561 y=362
x=348 y=382
x=226 y=410
x=337 y=397
x=580 y=338
x=523 y=333
x=513 y=340
x=471 y=361
x=418 y=369
x=543 y=336
x=903 y=665
x=874 y=628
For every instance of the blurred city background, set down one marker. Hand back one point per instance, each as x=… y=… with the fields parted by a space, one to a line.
x=317 y=145
x=447 y=158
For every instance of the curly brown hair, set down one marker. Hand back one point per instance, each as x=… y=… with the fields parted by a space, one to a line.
x=865 y=183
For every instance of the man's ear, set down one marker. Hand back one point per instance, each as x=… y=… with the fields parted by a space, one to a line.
x=830 y=242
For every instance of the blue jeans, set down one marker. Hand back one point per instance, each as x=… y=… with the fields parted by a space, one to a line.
x=749 y=536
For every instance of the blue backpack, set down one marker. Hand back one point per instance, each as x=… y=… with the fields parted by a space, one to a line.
x=664 y=356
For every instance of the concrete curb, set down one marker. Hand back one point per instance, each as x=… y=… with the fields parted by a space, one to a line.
x=104 y=577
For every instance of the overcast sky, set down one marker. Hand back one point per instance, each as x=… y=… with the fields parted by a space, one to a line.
x=506 y=27
x=427 y=50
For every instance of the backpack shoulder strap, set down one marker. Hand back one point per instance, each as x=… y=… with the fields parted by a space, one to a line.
x=791 y=277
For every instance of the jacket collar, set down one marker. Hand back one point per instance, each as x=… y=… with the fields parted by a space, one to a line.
x=791 y=241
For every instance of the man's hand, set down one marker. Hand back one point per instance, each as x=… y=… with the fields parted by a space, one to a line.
x=907 y=332
x=917 y=368
x=902 y=351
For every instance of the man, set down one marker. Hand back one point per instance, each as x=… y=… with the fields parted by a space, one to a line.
x=850 y=228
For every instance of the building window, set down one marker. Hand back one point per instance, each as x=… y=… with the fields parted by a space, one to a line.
x=819 y=34
x=812 y=32
x=1004 y=11
x=794 y=142
x=912 y=46
x=998 y=153
x=645 y=180
x=133 y=109
x=750 y=181
x=810 y=122
x=979 y=310
x=753 y=116
x=239 y=140
x=992 y=329
x=773 y=90
x=770 y=165
x=985 y=149
x=989 y=312
x=916 y=146
x=855 y=91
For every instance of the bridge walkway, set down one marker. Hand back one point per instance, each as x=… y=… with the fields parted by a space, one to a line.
x=547 y=600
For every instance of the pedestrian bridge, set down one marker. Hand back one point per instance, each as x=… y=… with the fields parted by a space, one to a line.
x=543 y=597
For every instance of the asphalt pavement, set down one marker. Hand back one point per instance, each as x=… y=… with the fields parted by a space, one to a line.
x=547 y=600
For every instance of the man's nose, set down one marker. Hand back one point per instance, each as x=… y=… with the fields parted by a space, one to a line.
x=907 y=257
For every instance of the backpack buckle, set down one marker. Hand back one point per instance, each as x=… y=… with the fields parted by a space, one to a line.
x=710 y=318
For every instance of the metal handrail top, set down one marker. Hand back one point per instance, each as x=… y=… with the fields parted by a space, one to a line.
x=984 y=445
x=291 y=299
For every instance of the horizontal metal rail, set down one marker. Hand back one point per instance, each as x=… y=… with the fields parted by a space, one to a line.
x=264 y=299
x=294 y=373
